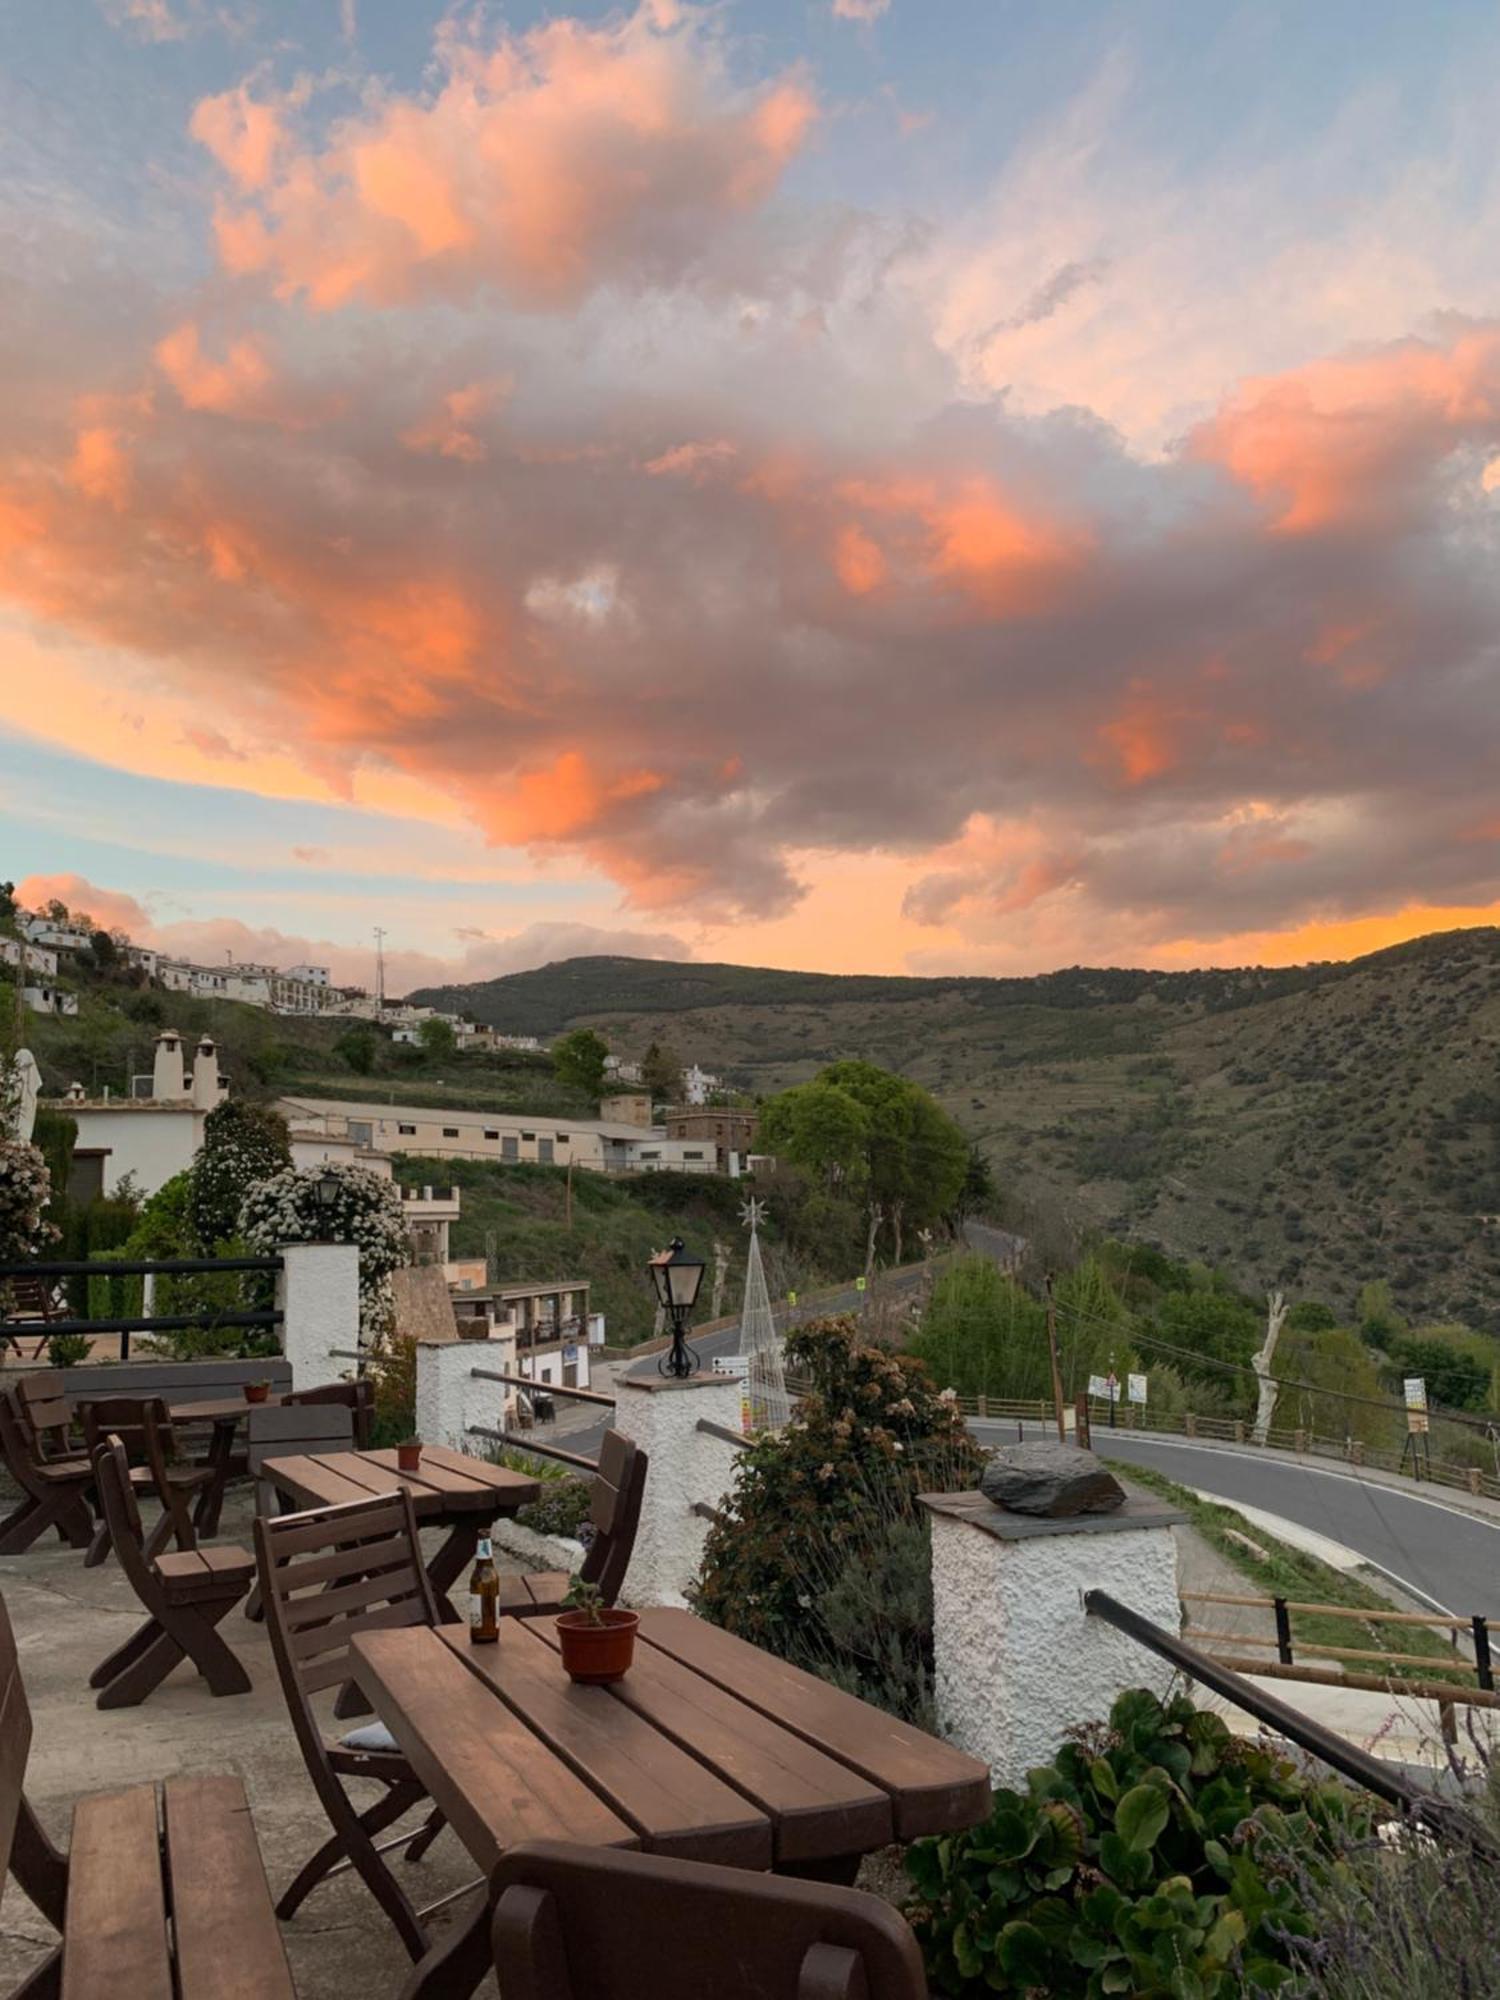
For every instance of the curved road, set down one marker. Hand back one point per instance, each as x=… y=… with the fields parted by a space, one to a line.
x=1440 y=1554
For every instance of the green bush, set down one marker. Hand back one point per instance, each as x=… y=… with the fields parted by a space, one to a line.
x=1158 y=1857
x=821 y=1555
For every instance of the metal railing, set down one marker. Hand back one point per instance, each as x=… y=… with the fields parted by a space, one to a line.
x=1372 y=1773
x=44 y=1325
x=525 y=1440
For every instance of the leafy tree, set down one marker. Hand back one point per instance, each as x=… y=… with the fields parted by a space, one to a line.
x=983 y=1335
x=1311 y=1316
x=1337 y=1390
x=1214 y=1325
x=578 y=1060
x=104 y=951
x=438 y=1038
x=830 y=1505
x=1379 y=1322
x=1457 y=1379
x=661 y=1073
x=366 y=1211
x=980 y=1191
x=820 y=1127
x=243 y=1145
x=359 y=1048
x=7 y=904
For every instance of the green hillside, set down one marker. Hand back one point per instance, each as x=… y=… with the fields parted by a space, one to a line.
x=1315 y=1126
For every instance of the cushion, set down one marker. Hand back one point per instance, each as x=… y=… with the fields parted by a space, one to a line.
x=370 y=1736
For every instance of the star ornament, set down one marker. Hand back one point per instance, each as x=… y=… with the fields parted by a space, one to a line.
x=752 y=1212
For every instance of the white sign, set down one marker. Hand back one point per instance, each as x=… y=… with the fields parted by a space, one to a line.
x=1136 y=1386
x=570 y=1354
x=1105 y=1387
x=1416 y=1392
x=731 y=1364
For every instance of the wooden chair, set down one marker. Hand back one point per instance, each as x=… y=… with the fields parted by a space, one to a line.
x=131 y=1861
x=325 y=1575
x=39 y=1300
x=186 y=1594
x=54 y=1488
x=154 y=1463
x=357 y=1397
x=283 y=1431
x=615 y=1512
x=582 y=1923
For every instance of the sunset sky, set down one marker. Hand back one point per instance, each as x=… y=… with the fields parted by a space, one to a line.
x=872 y=485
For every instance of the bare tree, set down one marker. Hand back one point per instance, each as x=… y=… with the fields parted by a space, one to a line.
x=1268 y=1387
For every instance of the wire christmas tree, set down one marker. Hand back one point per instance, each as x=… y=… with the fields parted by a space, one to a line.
x=766 y=1405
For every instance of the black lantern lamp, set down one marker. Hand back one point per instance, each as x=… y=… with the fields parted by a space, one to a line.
x=677 y=1277
x=327 y=1188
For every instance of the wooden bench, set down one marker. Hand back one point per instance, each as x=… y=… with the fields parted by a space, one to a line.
x=615 y=1512
x=138 y=1857
x=173 y=1381
x=185 y=1593
x=582 y=1923
x=55 y=1480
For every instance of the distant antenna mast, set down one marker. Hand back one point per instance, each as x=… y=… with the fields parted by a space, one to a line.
x=380 y=968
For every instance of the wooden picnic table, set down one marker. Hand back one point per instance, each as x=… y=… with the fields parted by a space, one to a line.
x=452 y=1491
x=226 y=1414
x=709 y=1749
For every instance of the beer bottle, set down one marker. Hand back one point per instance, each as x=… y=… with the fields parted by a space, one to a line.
x=484 y=1596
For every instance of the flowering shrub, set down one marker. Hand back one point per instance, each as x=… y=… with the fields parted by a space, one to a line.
x=243 y=1145
x=365 y=1212
x=25 y=1190
x=822 y=1554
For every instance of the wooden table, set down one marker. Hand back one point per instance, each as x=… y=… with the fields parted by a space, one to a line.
x=709 y=1749
x=452 y=1491
x=226 y=1414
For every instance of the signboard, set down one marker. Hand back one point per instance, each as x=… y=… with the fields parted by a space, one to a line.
x=1415 y=1389
x=1105 y=1387
x=859 y=1284
x=1136 y=1388
x=791 y=1298
x=570 y=1354
x=731 y=1364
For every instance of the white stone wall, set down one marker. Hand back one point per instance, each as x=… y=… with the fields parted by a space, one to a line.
x=685 y=1466
x=1018 y=1660
x=449 y=1401
x=318 y=1293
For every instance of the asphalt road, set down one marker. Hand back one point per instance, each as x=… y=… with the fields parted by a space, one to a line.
x=1441 y=1555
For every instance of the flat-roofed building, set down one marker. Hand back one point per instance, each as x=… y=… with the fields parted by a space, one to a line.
x=602 y=1145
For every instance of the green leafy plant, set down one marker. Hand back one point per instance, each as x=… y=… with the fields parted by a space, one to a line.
x=822 y=1553
x=66 y=1350
x=1158 y=1857
x=586 y=1598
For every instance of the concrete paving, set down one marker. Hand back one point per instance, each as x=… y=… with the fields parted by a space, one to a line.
x=66 y=1619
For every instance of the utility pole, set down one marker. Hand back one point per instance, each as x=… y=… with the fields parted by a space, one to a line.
x=1057 y=1393
x=569 y=1219
x=379 y=970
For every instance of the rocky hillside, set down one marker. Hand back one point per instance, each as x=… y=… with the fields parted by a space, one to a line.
x=1314 y=1126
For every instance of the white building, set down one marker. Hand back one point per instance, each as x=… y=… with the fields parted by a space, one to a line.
x=65 y=935
x=698 y=1085
x=28 y=957
x=604 y=1145
x=148 y=1138
x=310 y=975
x=301 y=990
x=618 y=1070
x=44 y=999
x=548 y=1324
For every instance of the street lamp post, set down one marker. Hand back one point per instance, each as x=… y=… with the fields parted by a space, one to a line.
x=676 y=1277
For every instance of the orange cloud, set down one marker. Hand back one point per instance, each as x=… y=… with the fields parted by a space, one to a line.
x=109 y=908
x=1144 y=739
x=233 y=387
x=242 y=134
x=451 y=433
x=1342 y=440
x=100 y=467
x=964 y=534
x=547 y=163
x=565 y=801
x=857 y=559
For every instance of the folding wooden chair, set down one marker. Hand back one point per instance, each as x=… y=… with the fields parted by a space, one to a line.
x=615 y=1512
x=581 y=1923
x=324 y=1575
x=39 y=1300
x=54 y=1488
x=155 y=1468
x=357 y=1397
x=286 y=1430
x=186 y=1594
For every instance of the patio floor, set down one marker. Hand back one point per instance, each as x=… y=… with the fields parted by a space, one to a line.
x=66 y=1618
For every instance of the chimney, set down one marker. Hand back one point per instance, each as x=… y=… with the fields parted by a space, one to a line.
x=168 y=1083
x=205 y=1076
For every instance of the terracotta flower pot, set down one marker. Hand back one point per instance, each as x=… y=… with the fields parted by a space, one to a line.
x=594 y=1654
x=408 y=1458
x=257 y=1392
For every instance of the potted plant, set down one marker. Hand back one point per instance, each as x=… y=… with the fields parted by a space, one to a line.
x=597 y=1639
x=409 y=1455
x=256 y=1392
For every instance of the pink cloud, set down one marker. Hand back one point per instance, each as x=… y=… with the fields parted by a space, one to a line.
x=110 y=908
x=544 y=164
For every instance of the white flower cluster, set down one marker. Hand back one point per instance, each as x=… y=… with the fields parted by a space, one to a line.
x=366 y=1211
x=25 y=1190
